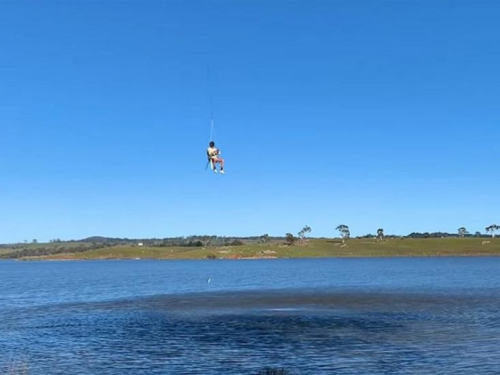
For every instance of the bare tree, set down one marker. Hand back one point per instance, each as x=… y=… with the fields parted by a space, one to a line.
x=492 y=229
x=344 y=232
x=303 y=232
x=462 y=232
x=380 y=234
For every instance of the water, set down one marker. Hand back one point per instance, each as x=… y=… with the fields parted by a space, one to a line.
x=306 y=316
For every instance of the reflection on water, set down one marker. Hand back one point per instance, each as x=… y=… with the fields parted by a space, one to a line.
x=301 y=330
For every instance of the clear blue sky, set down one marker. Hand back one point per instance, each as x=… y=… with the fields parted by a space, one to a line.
x=366 y=113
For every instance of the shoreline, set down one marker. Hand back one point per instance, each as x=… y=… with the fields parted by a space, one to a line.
x=34 y=259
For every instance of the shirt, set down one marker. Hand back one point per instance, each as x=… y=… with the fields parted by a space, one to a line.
x=212 y=152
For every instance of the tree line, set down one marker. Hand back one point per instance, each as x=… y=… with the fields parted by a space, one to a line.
x=345 y=234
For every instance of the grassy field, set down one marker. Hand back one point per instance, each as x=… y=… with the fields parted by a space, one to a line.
x=311 y=249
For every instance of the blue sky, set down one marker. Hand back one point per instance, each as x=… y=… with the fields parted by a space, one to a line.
x=366 y=113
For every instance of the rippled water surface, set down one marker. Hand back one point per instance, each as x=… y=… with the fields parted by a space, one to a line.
x=321 y=316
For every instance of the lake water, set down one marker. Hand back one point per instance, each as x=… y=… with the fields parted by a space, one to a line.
x=306 y=316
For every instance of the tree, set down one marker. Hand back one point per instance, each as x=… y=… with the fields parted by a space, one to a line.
x=462 y=232
x=303 y=232
x=264 y=238
x=380 y=234
x=478 y=234
x=492 y=229
x=35 y=241
x=344 y=232
x=290 y=239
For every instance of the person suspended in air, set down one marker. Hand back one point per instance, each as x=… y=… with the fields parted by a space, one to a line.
x=214 y=158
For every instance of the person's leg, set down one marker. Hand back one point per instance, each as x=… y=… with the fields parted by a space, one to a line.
x=221 y=164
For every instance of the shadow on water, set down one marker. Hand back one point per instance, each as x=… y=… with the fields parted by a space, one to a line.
x=273 y=371
x=275 y=332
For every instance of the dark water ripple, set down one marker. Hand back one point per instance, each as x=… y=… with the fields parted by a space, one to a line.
x=301 y=331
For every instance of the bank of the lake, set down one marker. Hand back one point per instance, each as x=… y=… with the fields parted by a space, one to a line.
x=313 y=248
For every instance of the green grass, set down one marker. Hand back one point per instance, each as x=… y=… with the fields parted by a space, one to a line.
x=312 y=249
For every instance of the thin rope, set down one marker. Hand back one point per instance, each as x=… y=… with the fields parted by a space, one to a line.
x=212 y=126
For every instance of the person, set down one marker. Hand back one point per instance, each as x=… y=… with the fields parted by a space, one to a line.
x=214 y=158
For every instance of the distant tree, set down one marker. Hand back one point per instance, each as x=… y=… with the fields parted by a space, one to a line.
x=462 y=232
x=290 y=239
x=303 y=232
x=492 y=229
x=344 y=232
x=264 y=238
x=35 y=241
x=380 y=234
x=478 y=234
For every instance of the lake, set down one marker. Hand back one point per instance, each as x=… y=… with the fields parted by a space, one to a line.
x=305 y=316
